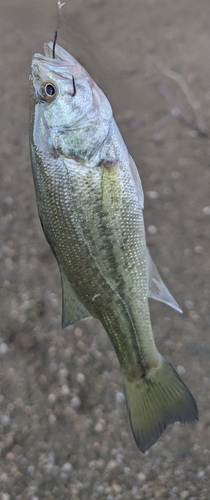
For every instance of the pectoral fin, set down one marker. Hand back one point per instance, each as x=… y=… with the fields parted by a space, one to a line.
x=72 y=309
x=157 y=288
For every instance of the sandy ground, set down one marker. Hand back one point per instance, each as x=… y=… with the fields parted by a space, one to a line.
x=64 y=430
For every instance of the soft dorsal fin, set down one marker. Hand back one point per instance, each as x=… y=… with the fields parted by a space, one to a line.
x=156 y=287
x=72 y=309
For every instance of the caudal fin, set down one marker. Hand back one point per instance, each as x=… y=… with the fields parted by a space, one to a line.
x=158 y=399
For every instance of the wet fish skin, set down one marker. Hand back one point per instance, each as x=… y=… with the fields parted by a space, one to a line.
x=90 y=203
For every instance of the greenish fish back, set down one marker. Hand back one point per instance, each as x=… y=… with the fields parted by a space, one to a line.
x=72 y=309
x=155 y=401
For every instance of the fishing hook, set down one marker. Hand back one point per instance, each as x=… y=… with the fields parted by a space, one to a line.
x=54 y=44
x=53 y=55
x=74 y=86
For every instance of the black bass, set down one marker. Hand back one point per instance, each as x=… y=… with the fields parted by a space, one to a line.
x=90 y=203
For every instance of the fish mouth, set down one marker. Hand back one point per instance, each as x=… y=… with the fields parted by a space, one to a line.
x=44 y=66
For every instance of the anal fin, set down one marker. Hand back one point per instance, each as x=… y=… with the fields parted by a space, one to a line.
x=72 y=309
x=156 y=287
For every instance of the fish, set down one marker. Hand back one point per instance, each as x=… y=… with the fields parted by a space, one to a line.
x=90 y=202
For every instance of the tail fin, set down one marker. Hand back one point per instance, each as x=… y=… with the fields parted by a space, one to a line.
x=158 y=399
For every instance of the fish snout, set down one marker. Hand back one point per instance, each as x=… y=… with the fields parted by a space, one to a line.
x=60 y=53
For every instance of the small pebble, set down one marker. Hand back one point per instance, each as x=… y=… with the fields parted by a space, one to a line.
x=52 y=350
x=192 y=133
x=5 y=496
x=157 y=137
x=189 y=304
x=116 y=487
x=184 y=494
x=183 y=162
x=52 y=398
x=187 y=252
x=52 y=419
x=65 y=390
x=67 y=467
x=31 y=469
x=201 y=473
x=206 y=210
x=80 y=378
x=6 y=284
x=194 y=316
x=8 y=201
x=99 y=426
x=153 y=195
x=53 y=367
x=100 y=488
x=198 y=249
x=171 y=146
x=3 y=349
x=78 y=333
x=134 y=490
x=152 y=229
x=63 y=373
x=112 y=464
x=5 y=420
x=119 y=458
x=74 y=490
x=180 y=370
x=175 y=112
x=4 y=477
x=167 y=191
x=175 y=175
x=100 y=463
x=51 y=457
x=120 y=397
x=64 y=476
x=76 y=402
x=141 y=476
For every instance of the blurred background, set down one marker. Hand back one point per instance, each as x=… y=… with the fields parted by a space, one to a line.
x=64 y=430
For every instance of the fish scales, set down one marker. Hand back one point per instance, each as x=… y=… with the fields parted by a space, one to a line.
x=117 y=283
x=90 y=202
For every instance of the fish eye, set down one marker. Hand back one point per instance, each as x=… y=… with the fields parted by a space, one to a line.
x=48 y=91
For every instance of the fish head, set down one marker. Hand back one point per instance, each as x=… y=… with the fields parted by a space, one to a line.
x=67 y=106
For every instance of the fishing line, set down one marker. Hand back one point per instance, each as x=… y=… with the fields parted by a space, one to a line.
x=59 y=5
